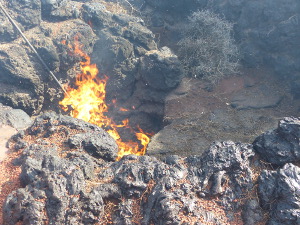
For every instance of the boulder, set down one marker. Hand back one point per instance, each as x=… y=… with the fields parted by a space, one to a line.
x=96 y=15
x=97 y=144
x=15 y=118
x=161 y=69
x=281 y=145
x=279 y=194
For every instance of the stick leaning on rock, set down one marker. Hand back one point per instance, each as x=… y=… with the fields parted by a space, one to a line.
x=33 y=49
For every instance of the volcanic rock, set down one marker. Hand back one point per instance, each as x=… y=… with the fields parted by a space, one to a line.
x=21 y=85
x=71 y=182
x=279 y=194
x=140 y=74
x=295 y=88
x=281 y=145
x=123 y=39
x=7 y=32
x=252 y=213
x=97 y=15
x=78 y=33
x=46 y=48
x=15 y=118
x=96 y=144
x=55 y=178
x=59 y=10
x=27 y=13
x=161 y=69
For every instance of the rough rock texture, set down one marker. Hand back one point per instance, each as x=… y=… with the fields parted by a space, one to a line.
x=59 y=10
x=279 y=193
x=24 y=83
x=161 y=69
x=54 y=173
x=15 y=118
x=118 y=42
x=68 y=178
x=21 y=85
x=26 y=12
x=123 y=42
x=281 y=145
x=140 y=74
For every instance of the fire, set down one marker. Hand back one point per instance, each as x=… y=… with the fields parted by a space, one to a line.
x=88 y=103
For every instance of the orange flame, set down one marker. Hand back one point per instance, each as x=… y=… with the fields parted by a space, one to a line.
x=88 y=103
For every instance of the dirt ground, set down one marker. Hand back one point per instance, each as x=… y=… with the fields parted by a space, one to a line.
x=238 y=108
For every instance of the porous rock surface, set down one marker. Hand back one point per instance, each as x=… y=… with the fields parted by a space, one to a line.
x=119 y=43
x=279 y=193
x=54 y=177
x=70 y=176
x=15 y=118
x=281 y=145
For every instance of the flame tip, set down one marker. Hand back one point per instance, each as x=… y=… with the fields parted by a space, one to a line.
x=87 y=102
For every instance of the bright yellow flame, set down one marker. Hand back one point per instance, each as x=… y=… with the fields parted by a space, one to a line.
x=88 y=103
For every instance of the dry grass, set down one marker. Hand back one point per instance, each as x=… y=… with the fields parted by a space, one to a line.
x=9 y=175
x=210 y=206
x=138 y=216
x=9 y=178
x=110 y=207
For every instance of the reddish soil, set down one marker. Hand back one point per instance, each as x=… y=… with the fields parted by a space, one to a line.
x=9 y=178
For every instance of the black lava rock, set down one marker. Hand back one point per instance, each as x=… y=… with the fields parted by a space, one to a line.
x=98 y=144
x=68 y=172
x=161 y=69
x=281 y=145
x=279 y=193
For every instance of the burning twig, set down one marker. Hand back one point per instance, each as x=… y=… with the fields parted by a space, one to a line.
x=33 y=49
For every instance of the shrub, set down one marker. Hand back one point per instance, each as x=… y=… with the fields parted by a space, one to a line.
x=207 y=48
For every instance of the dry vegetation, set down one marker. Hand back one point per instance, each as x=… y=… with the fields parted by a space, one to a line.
x=9 y=178
x=207 y=49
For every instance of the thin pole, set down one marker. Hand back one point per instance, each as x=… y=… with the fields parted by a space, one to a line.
x=33 y=49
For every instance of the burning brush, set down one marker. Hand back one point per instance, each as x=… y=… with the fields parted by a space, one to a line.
x=87 y=102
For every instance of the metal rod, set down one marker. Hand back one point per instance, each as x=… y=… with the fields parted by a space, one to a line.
x=33 y=49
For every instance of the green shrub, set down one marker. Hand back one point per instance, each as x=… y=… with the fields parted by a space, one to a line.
x=207 y=48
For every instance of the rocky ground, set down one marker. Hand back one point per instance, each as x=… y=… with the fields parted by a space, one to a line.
x=69 y=175
x=11 y=120
x=223 y=154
